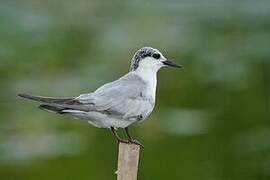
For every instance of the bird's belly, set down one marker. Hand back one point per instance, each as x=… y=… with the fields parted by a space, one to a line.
x=106 y=121
x=102 y=120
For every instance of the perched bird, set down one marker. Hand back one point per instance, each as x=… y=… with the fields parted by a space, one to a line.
x=117 y=104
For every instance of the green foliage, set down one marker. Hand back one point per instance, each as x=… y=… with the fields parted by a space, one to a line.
x=211 y=119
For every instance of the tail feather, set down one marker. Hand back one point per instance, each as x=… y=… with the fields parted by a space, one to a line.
x=46 y=99
x=52 y=108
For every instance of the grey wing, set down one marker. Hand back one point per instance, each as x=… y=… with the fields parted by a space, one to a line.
x=124 y=98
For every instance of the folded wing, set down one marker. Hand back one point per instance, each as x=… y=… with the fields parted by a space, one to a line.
x=124 y=98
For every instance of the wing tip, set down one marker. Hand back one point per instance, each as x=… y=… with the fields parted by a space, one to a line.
x=23 y=95
x=28 y=96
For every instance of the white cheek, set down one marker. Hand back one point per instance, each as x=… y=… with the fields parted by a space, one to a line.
x=150 y=62
x=159 y=63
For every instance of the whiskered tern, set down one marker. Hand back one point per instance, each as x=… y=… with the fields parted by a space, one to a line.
x=117 y=104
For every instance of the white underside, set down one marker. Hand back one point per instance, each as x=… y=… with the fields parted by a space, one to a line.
x=101 y=120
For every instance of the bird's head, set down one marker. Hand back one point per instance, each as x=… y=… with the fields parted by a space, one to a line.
x=150 y=58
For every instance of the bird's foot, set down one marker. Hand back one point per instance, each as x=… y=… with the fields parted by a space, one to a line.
x=130 y=141
x=134 y=141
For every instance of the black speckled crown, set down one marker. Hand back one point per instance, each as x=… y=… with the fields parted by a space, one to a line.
x=139 y=55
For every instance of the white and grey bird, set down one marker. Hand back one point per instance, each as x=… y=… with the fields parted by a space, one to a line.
x=117 y=104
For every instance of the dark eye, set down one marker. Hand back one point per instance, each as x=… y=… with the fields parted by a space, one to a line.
x=156 y=56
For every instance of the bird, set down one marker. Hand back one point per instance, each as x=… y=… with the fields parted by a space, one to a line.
x=119 y=103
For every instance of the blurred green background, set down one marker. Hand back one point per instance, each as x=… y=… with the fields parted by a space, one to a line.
x=211 y=120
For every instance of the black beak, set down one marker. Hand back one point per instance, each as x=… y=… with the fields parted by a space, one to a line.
x=172 y=64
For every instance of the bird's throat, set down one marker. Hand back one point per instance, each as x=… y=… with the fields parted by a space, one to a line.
x=149 y=76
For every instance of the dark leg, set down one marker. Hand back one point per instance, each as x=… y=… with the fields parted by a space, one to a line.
x=128 y=135
x=117 y=137
x=131 y=140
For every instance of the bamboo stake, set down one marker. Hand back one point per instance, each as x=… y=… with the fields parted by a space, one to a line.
x=128 y=161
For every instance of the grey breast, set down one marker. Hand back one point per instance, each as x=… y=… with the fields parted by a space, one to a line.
x=124 y=98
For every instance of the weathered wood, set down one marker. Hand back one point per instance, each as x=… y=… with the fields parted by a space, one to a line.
x=128 y=161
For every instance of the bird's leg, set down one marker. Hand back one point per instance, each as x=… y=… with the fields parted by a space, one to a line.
x=128 y=135
x=131 y=140
x=117 y=137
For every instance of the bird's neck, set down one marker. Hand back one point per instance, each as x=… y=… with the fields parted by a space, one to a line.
x=148 y=75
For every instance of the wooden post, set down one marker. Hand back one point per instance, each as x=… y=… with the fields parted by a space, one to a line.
x=128 y=161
